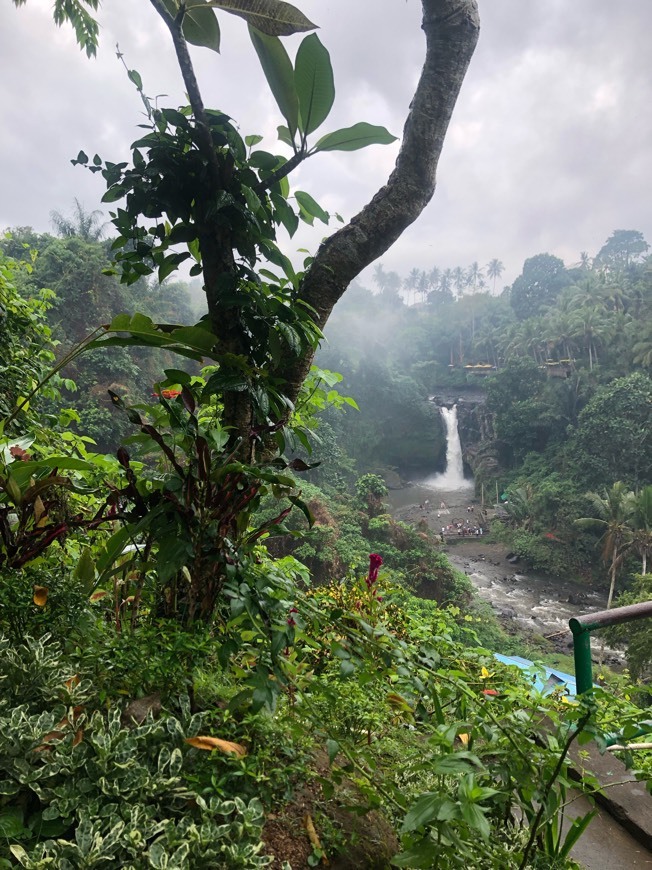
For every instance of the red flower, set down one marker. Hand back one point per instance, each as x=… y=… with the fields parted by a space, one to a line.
x=167 y=394
x=291 y=620
x=375 y=561
x=18 y=453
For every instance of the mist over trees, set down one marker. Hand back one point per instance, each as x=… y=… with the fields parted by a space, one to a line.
x=563 y=356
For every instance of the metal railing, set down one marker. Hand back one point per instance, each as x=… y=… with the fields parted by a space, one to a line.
x=582 y=626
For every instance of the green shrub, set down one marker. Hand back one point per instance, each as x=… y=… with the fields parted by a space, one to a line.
x=78 y=788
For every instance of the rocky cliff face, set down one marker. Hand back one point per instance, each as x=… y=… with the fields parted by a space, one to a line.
x=414 y=443
x=475 y=425
x=477 y=435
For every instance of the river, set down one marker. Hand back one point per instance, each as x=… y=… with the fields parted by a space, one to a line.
x=532 y=601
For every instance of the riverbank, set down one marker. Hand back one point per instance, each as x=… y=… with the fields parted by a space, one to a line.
x=526 y=603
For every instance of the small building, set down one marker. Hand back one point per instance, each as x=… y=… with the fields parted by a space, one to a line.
x=558 y=368
x=480 y=369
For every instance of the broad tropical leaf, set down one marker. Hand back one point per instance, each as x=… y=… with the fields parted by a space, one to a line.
x=272 y=17
x=309 y=205
x=277 y=67
x=355 y=137
x=315 y=87
x=200 y=26
x=284 y=135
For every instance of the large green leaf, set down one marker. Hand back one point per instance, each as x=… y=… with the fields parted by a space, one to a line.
x=190 y=341
x=284 y=213
x=277 y=67
x=63 y=463
x=313 y=79
x=475 y=818
x=273 y=17
x=423 y=810
x=456 y=762
x=113 y=548
x=355 y=137
x=195 y=338
x=11 y=822
x=200 y=26
x=284 y=135
x=313 y=208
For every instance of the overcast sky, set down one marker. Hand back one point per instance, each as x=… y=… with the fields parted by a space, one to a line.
x=549 y=148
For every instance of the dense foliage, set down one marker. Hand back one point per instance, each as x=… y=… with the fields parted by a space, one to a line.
x=174 y=679
x=129 y=740
x=553 y=380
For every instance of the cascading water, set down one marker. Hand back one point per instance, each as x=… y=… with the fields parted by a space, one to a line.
x=453 y=477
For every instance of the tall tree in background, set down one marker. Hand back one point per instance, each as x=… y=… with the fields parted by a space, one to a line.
x=622 y=248
x=86 y=225
x=411 y=283
x=475 y=276
x=542 y=279
x=642 y=525
x=495 y=269
x=459 y=279
x=612 y=513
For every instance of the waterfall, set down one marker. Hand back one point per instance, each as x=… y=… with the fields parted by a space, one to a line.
x=453 y=477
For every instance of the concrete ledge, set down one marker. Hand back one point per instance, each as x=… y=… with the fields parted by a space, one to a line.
x=625 y=798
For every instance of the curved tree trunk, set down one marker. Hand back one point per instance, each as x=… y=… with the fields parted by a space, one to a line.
x=451 y=28
x=612 y=585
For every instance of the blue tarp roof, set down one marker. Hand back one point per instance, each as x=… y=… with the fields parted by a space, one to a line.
x=544 y=679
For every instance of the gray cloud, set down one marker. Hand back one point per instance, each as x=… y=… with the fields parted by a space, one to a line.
x=549 y=148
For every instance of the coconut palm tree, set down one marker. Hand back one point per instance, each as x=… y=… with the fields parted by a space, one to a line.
x=642 y=525
x=591 y=327
x=459 y=279
x=525 y=339
x=589 y=291
x=434 y=277
x=614 y=295
x=520 y=506
x=474 y=275
x=557 y=330
x=412 y=282
x=494 y=270
x=424 y=285
x=380 y=277
x=642 y=348
x=612 y=515
x=446 y=280
x=86 y=225
x=391 y=291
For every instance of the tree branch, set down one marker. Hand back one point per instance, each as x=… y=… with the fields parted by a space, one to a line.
x=281 y=172
x=451 y=28
x=215 y=242
x=205 y=139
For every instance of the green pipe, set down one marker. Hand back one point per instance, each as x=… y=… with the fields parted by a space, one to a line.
x=582 y=627
x=582 y=656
